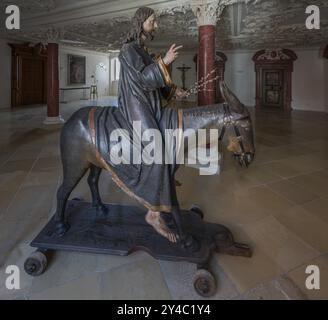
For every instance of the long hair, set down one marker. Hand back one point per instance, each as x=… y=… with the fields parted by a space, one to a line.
x=141 y=15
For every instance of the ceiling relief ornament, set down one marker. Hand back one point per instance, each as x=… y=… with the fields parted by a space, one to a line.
x=261 y=24
x=52 y=35
x=207 y=12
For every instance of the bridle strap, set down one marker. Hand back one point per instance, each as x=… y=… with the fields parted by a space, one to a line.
x=238 y=135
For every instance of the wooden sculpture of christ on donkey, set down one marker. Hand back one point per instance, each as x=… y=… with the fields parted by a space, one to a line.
x=143 y=81
x=126 y=141
x=140 y=119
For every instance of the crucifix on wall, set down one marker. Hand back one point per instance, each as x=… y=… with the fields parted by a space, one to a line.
x=183 y=70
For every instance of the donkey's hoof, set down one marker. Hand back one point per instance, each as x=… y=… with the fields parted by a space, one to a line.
x=61 y=228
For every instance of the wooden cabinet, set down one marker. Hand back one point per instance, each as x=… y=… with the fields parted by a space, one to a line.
x=29 y=75
x=274 y=78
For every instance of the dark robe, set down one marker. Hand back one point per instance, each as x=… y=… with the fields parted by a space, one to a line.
x=143 y=82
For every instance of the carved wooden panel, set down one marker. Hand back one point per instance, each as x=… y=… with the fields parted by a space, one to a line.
x=273 y=89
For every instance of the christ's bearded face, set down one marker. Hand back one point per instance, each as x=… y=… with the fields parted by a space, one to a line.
x=150 y=25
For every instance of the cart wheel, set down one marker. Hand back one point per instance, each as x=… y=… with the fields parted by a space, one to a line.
x=204 y=283
x=35 y=264
x=196 y=209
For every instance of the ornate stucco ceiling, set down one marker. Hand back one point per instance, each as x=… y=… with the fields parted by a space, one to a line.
x=101 y=25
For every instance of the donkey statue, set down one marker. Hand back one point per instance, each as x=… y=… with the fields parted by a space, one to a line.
x=231 y=119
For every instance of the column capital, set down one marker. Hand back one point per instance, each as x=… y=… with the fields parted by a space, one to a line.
x=208 y=12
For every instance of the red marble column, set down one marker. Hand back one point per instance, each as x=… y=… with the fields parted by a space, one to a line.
x=52 y=81
x=206 y=63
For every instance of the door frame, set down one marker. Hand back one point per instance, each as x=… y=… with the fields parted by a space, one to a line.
x=282 y=59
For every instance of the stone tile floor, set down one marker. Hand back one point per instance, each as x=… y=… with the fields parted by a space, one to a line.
x=279 y=206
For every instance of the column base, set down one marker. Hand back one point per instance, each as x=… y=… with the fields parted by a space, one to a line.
x=54 y=120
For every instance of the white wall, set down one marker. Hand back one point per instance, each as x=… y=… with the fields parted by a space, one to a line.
x=309 y=81
x=5 y=74
x=240 y=76
x=191 y=74
x=92 y=59
x=113 y=85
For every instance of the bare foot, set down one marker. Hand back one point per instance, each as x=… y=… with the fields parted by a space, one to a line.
x=155 y=220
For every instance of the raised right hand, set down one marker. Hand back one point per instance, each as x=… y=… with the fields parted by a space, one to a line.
x=172 y=54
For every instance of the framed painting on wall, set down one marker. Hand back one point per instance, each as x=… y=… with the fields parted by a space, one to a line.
x=76 y=69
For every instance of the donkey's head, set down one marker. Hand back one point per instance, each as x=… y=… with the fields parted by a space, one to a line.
x=237 y=126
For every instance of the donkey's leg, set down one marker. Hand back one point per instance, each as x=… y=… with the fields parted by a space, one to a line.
x=72 y=175
x=186 y=240
x=93 y=181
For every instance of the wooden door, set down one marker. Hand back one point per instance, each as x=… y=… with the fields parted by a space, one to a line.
x=29 y=75
x=273 y=88
x=32 y=81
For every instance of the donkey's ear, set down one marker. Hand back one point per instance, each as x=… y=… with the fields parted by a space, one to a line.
x=231 y=99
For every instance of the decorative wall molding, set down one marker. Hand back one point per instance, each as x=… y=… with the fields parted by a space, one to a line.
x=272 y=55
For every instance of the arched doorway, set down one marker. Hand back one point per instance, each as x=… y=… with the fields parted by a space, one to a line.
x=274 y=78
